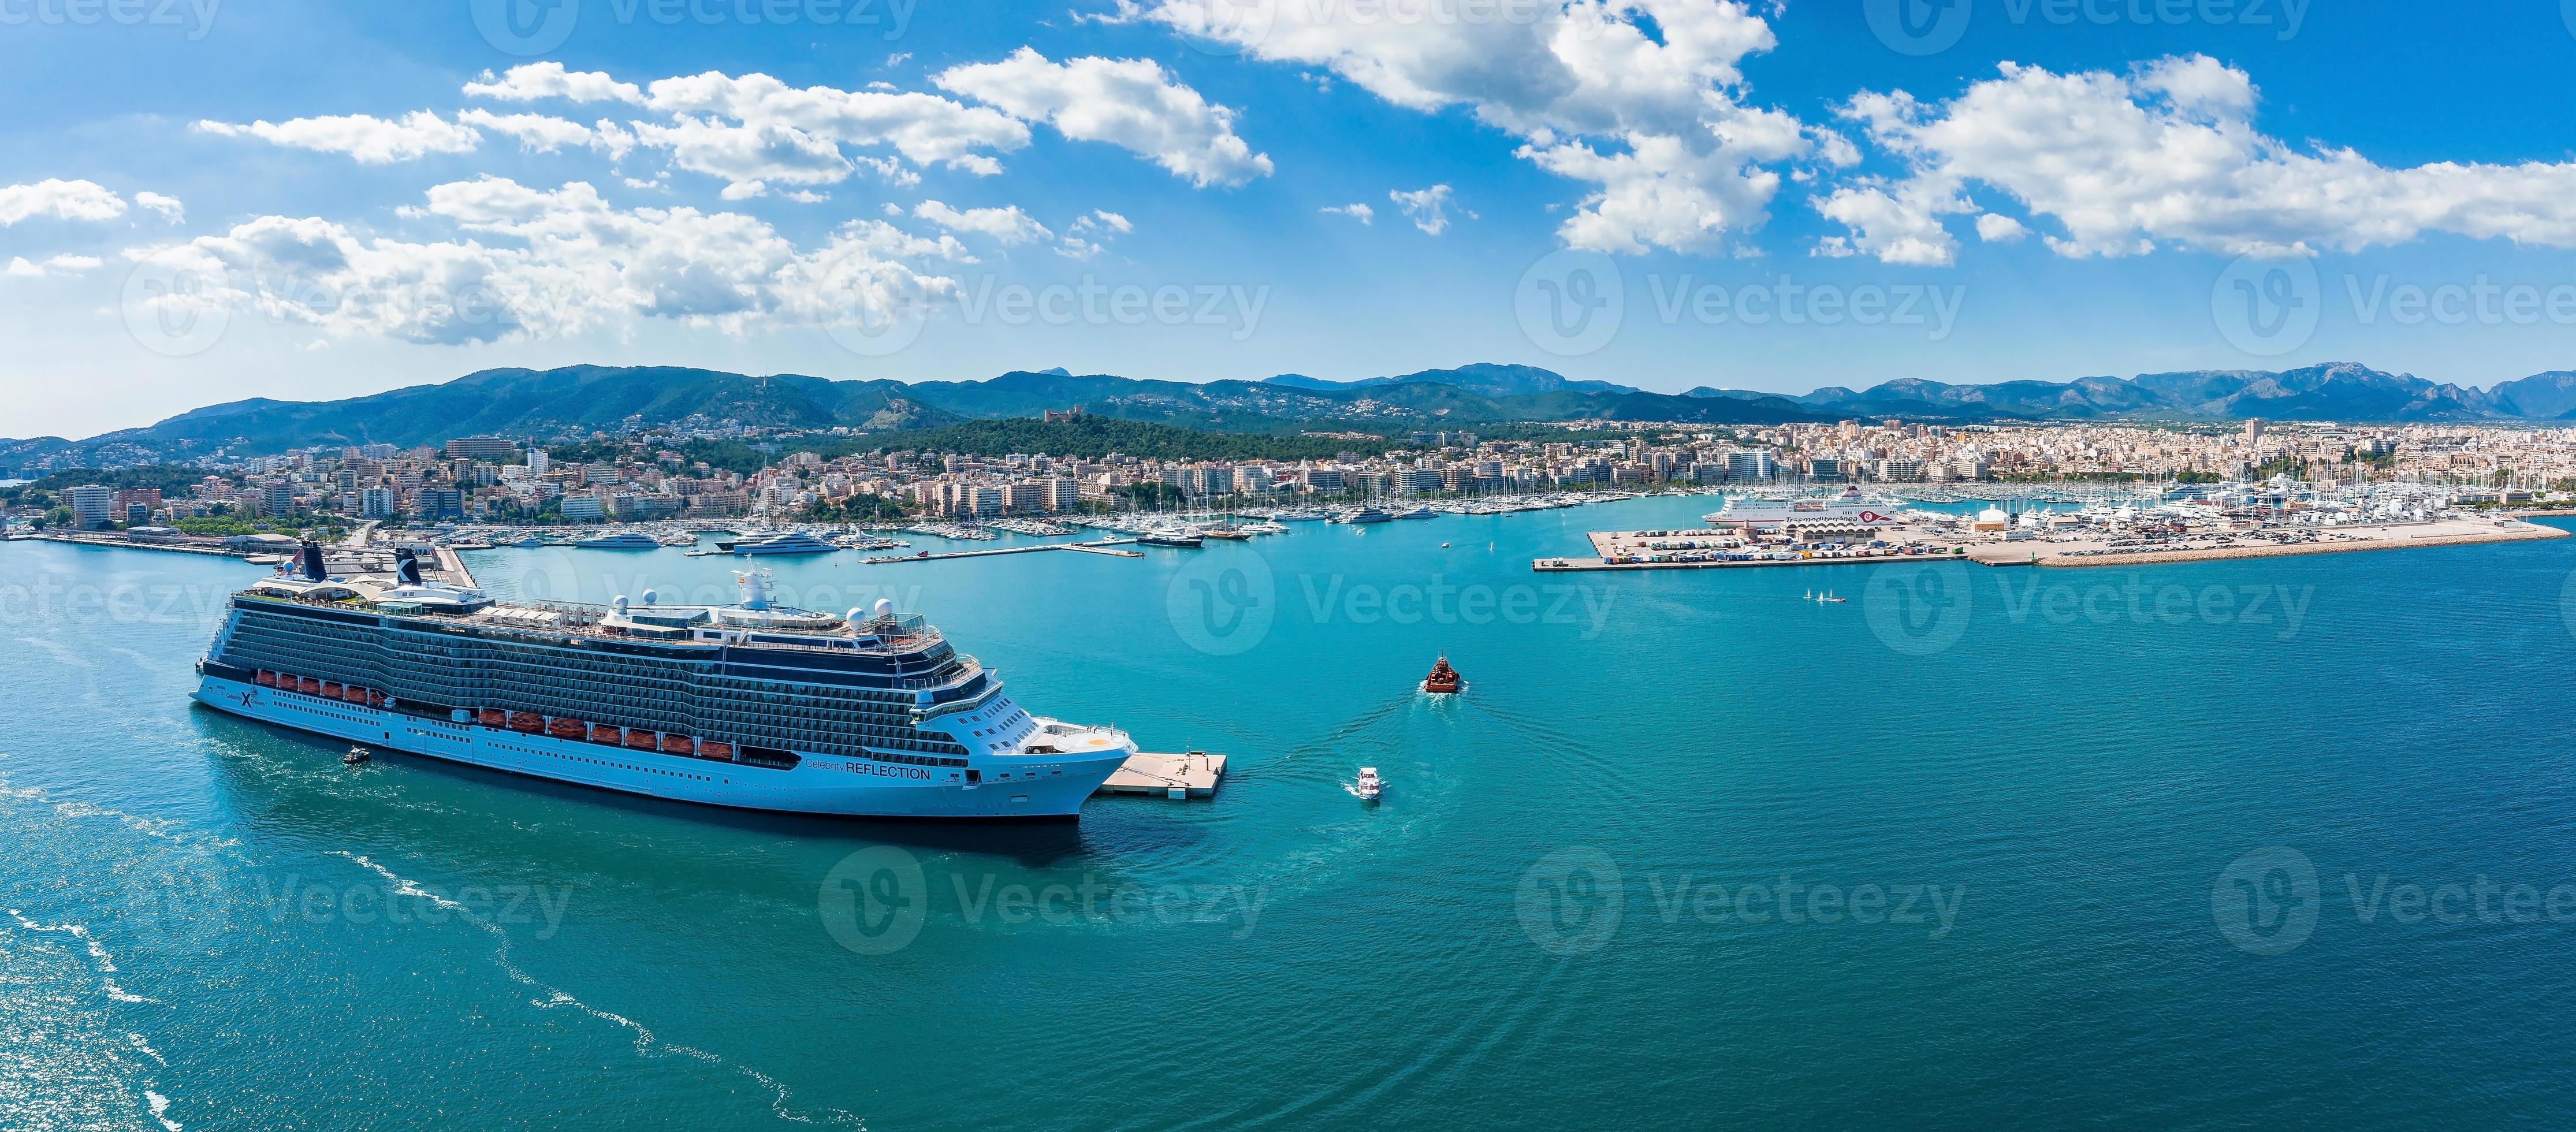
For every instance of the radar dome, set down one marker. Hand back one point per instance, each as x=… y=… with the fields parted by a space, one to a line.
x=885 y=607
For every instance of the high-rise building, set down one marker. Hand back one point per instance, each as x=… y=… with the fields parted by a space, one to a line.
x=481 y=448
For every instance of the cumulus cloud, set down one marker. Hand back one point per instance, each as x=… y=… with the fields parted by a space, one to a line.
x=60 y=199
x=365 y=137
x=1642 y=98
x=1996 y=228
x=58 y=265
x=1355 y=210
x=538 y=263
x=532 y=81
x=2167 y=154
x=1008 y=225
x=1131 y=103
x=1428 y=209
x=168 y=206
x=1087 y=235
x=756 y=128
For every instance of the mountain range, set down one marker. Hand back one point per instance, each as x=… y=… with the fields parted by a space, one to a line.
x=579 y=399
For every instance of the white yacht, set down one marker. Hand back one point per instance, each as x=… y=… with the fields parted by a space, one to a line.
x=793 y=542
x=620 y=540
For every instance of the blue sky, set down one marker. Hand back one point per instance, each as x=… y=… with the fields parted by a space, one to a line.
x=206 y=201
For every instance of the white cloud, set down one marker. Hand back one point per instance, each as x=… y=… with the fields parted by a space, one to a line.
x=1997 y=228
x=757 y=128
x=531 y=81
x=1428 y=209
x=58 y=265
x=2168 y=154
x=168 y=206
x=808 y=196
x=1642 y=98
x=369 y=139
x=63 y=200
x=1008 y=225
x=1087 y=235
x=536 y=263
x=1356 y=211
x=537 y=133
x=1131 y=103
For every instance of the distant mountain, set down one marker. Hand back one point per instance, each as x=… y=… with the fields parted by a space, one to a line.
x=2339 y=391
x=1487 y=378
x=577 y=400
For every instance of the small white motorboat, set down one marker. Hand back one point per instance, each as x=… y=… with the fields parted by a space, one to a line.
x=356 y=755
x=1369 y=787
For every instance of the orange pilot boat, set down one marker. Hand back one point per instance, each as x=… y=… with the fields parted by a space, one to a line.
x=1444 y=680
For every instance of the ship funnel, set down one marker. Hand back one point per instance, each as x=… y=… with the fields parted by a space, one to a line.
x=406 y=567
x=309 y=556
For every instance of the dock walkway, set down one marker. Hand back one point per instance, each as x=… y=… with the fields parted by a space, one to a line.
x=1193 y=774
x=1097 y=546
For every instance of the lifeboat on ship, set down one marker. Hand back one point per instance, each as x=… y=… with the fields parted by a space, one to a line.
x=604 y=734
x=265 y=679
x=308 y=685
x=330 y=690
x=375 y=698
x=638 y=739
x=1444 y=680
x=714 y=749
x=351 y=693
x=492 y=717
x=678 y=745
x=565 y=727
x=527 y=722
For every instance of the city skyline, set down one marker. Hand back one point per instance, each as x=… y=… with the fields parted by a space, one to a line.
x=1629 y=194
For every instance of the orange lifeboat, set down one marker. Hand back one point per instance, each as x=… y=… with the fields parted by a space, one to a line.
x=492 y=717
x=375 y=698
x=603 y=733
x=527 y=722
x=330 y=690
x=352 y=693
x=564 y=727
x=308 y=685
x=641 y=740
x=1444 y=680
x=678 y=745
x=266 y=678
x=719 y=751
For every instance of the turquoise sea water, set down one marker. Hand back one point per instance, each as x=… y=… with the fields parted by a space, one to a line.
x=2126 y=846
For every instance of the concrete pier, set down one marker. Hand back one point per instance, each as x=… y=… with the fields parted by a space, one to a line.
x=1192 y=774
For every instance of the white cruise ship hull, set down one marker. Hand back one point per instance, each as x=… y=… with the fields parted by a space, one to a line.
x=819 y=784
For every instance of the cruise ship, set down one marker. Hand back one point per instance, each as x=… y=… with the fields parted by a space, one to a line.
x=1849 y=507
x=752 y=705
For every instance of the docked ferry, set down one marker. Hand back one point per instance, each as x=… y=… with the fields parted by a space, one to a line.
x=1849 y=507
x=752 y=705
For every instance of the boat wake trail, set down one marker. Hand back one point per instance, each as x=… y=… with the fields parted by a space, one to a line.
x=647 y=1045
x=98 y=955
x=1350 y=729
